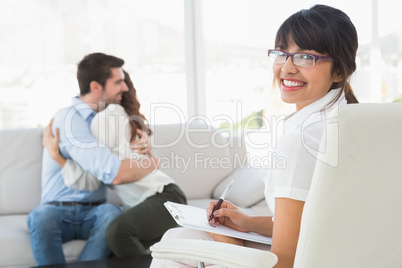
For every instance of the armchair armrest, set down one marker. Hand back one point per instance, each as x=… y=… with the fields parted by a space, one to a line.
x=212 y=252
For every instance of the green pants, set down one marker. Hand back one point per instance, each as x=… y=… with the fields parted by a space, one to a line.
x=139 y=227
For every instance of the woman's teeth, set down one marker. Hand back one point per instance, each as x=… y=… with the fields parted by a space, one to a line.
x=289 y=83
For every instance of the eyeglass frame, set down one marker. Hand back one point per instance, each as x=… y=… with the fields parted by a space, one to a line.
x=316 y=57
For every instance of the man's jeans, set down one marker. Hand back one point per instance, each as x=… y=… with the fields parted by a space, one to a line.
x=51 y=225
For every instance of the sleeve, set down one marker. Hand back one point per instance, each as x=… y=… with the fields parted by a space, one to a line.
x=299 y=151
x=77 y=178
x=78 y=144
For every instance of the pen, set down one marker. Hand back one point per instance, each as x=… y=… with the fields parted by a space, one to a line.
x=223 y=196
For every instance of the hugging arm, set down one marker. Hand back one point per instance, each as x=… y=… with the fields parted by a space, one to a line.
x=74 y=176
x=110 y=121
x=77 y=178
x=134 y=170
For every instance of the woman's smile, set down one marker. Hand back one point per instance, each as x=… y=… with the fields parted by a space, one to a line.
x=302 y=85
x=292 y=84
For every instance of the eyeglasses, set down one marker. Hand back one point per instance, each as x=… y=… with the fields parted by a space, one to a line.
x=299 y=59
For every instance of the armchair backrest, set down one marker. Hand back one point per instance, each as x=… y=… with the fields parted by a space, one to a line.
x=353 y=214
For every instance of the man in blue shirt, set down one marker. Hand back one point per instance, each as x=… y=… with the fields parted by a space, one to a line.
x=66 y=214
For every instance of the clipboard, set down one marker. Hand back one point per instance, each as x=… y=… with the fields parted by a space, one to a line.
x=196 y=218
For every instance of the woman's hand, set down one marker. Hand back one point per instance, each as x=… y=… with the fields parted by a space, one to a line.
x=154 y=160
x=51 y=143
x=228 y=215
x=141 y=144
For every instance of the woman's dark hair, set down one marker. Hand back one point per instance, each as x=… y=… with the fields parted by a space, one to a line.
x=326 y=30
x=96 y=67
x=132 y=106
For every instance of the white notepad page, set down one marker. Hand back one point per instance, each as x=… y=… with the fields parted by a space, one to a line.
x=196 y=218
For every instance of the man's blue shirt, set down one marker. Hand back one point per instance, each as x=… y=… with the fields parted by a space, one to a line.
x=78 y=144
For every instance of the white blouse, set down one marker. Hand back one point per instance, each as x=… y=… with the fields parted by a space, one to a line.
x=298 y=147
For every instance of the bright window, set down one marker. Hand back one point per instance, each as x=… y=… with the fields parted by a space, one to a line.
x=42 y=42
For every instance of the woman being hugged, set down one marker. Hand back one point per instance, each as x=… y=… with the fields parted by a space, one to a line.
x=313 y=59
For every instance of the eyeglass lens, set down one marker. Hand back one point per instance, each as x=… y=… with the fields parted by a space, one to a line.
x=302 y=60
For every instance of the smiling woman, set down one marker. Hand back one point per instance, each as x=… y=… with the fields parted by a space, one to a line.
x=302 y=85
x=315 y=60
x=328 y=39
x=312 y=68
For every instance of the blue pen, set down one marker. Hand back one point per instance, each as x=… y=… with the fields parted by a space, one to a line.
x=223 y=196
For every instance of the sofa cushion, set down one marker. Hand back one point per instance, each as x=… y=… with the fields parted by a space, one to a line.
x=199 y=160
x=15 y=240
x=20 y=176
x=248 y=186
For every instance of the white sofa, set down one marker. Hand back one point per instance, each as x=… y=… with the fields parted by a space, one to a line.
x=198 y=157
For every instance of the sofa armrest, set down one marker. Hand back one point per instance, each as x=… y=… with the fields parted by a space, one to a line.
x=212 y=252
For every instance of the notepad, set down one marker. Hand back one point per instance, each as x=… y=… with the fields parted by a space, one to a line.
x=196 y=218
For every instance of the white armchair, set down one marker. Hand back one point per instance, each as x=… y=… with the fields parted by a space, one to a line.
x=202 y=251
x=353 y=213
